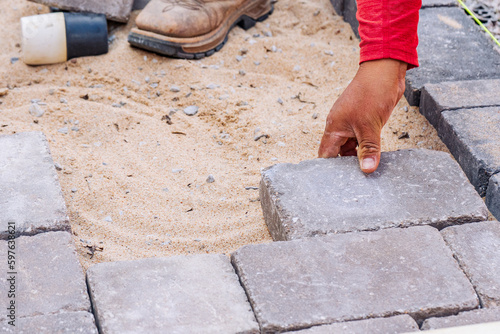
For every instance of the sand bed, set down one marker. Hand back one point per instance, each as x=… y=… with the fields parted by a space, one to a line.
x=136 y=186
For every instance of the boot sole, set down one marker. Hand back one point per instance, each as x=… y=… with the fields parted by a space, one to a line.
x=187 y=48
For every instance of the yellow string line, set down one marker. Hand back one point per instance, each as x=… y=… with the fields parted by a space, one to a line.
x=477 y=21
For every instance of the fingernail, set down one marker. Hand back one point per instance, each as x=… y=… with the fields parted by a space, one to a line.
x=368 y=163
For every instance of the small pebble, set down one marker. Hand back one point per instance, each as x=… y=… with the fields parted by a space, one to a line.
x=405 y=109
x=108 y=219
x=4 y=91
x=242 y=73
x=329 y=52
x=257 y=63
x=175 y=89
x=154 y=85
x=35 y=100
x=281 y=144
x=212 y=86
x=74 y=190
x=239 y=58
x=267 y=33
x=116 y=105
x=52 y=91
x=315 y=115
x=191 y=110
x=36 y=110
x=147 y=79
x=210 y=179
x=251 y=188
x=274 y=48
x=296 y=68
x=280 y=101
x=242 y=103
x=63 y=100
x=58 y=166
x=177 y=170
x=14 y=60
x=64 y=130
x=75 y=129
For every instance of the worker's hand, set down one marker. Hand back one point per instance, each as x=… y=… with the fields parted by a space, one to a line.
x=358 y=115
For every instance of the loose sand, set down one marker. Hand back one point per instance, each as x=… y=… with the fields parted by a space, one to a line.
x=120 y=173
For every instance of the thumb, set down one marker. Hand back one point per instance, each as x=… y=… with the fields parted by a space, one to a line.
x=369 y=149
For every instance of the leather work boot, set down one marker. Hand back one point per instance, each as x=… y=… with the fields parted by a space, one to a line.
x=194 y=28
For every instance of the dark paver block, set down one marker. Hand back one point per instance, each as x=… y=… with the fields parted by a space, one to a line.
x=392 y=325
x=349 y=11
x=464 y=319
x=450 y=45
x=140 y=4
x=493 y=195
x=477 y=249
x=436 y=98
x=62 y=323
x=116 y=10
x=338 y=5
x=30 y=194
x=49 y=277
x=302 y=283
x=182 y=294
x=411 y=187
x=439 y=3
x=473 y=137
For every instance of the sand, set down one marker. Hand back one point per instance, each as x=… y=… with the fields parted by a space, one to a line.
x=136 y=186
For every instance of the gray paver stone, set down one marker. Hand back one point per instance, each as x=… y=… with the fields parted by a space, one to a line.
x=349 y=13
x=49 y=277
x=473 y=137
x=493 y=195
x=62 y=323
x=439 y=3
x=30 y=194
x=392 y=325
x=410 y=187
x=302 y=283
x=338 y=5
x=450 y=45
x=477 y=249
x=442 y=96
x=115 y=10
x=140 y=4
x=181 y=294
x=464 y=319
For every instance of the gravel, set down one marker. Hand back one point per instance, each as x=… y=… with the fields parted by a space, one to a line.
x=191 y=110
x=36 y=110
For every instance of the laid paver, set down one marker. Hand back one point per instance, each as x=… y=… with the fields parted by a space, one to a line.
x=410 y=187
x=115 y=10
x=181 y=294
x=30 y=194
x=349 y=12
x=450 y=44
x=463 y=319
x=49 y=277
x=439 y=3
x=436 y=98
x=477 y=249
x=338 y=5
x=473 y=137
x=392 y=325
x=493 y=196
x=302 y=283
x=62 y=323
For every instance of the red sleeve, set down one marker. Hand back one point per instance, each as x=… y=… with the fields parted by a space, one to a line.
x=388 y=29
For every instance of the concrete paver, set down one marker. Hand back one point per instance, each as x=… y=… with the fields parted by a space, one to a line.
x=116 y=10
x=392 y=325
x=493 y=195
x=442 y=96
x=477 y=249
x=302 y=283
x=411 y=187
x=30 y=194
x=473 y=137
x=48 y=279
x=62 y=323
x=450 y=44
x=463 y=319
x=181 y=294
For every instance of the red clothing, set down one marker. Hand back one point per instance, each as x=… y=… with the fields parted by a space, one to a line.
x=388 y=29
